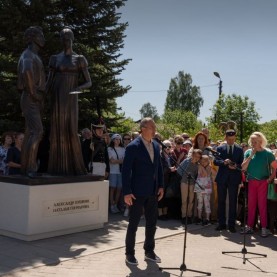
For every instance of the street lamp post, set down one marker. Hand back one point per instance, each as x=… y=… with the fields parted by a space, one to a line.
x=241 y=126
x=241 y=113
x=220 y=82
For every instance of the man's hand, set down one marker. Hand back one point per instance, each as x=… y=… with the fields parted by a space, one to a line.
x=128 y=199
x=232 y=166
x=227 y=162
x=160 y=193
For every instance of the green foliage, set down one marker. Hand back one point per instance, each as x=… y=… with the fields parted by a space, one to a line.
x=176 y=122
x=147 y=110
x=181 y=95
x=125 y=125
x=232 y=107
x=269 y=129
x=98 y=36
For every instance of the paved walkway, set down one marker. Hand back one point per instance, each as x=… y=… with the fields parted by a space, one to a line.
x=101 y=253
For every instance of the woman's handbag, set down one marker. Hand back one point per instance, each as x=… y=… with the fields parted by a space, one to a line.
x=272 y=188
x=272 y=191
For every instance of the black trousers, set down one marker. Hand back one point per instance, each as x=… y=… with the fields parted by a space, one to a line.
x=232 y=189
x=148 y=204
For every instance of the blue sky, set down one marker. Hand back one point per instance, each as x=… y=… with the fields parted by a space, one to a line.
x=237 y=38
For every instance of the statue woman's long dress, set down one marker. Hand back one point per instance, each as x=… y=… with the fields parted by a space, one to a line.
x=65 y=157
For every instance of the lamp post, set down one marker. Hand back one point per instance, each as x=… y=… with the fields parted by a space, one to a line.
x=241 y=126
x=220 y=82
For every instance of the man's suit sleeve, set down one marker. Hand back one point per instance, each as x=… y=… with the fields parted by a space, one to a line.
x=218 y=160
x=241 y=157
x=127 y=170
x=161 y=175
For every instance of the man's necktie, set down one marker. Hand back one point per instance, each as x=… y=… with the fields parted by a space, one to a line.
x=230 y=152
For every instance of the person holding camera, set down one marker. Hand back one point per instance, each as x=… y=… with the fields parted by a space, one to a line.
x=228 y=179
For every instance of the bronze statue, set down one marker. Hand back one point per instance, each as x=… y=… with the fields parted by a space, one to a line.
x=65 y=68
x=31 y=85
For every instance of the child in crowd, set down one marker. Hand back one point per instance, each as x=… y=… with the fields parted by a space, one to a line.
x=188 y=169
x=203 y=189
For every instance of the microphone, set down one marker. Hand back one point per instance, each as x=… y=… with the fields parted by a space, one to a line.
x=212 y=151
x=160 y=142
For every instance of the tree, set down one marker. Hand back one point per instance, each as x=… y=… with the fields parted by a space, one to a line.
x=269 y=129
x=126 y=125
x=181 y=95
x=177 y=122
x=98 y=36
x=147 y=110
x=236 y=108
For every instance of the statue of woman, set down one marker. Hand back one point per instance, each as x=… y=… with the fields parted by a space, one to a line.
x=65 y=68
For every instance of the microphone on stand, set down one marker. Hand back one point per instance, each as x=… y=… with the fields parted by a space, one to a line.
x=214 y=152
x=160 y=142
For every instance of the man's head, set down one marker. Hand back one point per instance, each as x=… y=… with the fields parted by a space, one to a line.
x=230 y=136
x=35 y=35
x=147 y=128
x=86 y=133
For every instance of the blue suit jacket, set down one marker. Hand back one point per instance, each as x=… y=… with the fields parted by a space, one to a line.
x=141 y=176
x=224 y=173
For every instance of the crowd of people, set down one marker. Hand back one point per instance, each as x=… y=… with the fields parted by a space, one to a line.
x=203 y=181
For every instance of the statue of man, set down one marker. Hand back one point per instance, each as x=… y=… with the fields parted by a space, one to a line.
x=31 y=85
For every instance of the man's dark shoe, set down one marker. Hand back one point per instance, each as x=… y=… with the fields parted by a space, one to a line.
x=220 y=227
x=206 y=222
x=131 y=259
x=232 y=229
x=189 y=220
x=183 y=220
x=198 y=221
x=152 y=257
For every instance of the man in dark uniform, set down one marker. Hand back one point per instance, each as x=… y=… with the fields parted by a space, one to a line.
x=228 y=179
x=99 y=155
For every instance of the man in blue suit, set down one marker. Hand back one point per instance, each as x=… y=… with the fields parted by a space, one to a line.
x=228 y=179
x=142 y=186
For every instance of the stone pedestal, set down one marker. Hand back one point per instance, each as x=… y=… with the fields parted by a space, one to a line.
x=44 y=207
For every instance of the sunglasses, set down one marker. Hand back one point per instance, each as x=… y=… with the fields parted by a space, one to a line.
x=179 y=143
x=126 y=139
x=168 y=147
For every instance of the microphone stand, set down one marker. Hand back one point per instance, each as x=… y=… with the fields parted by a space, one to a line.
x=183 y=266
x=243 y=250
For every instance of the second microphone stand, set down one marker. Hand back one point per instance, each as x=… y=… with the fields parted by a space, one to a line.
x=244 y=250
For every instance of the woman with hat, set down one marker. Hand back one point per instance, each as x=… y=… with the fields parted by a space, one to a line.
x=116 y=153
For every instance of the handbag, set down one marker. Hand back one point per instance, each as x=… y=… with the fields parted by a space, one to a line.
x=272 y=191
x=272 y=188
x=98 y=168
